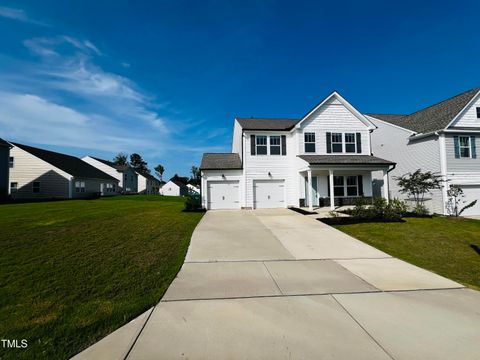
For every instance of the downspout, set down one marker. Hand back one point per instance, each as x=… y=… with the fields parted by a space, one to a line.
x=388 y=178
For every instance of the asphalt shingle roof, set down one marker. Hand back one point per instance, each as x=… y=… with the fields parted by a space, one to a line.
x=220 y=161
x=3 y=143
x=432 y=118
x=267 y=124
x=147 y=175
x=111 y=164
x=344 y=160
x=70 y=164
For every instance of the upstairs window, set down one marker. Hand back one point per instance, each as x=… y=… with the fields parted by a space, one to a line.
x=36 y=187
x=11 y=162
x=464 y=142
x=13 y=187
x=80 y=186
x=337 y=145
x=478 y=112
x=310 y=142
x=261 y=145
x=126 y=177
x=275 y=145
x=350 y=143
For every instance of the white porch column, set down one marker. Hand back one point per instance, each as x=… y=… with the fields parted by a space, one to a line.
x=385 y=185
x=332 y=195
x=310 y=190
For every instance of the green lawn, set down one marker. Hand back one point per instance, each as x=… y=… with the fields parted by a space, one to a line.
x=439 y=244
x=74 y=271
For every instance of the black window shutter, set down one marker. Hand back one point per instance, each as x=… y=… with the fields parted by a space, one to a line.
x=252 y=144
x=360 y=185
x=456 y=144
x=329 y=142
x=284 y=145
x=359 y=143
x=328 y=185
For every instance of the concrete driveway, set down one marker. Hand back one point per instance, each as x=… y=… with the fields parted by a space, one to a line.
x=273 y=284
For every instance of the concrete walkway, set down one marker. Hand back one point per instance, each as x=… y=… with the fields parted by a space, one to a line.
x=274 y=284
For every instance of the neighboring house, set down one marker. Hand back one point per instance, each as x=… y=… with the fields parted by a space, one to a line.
x=41 y=174
x=192 y=189
x=174 y=188
x=125 y=174
x=5 y=164
x=441 y=138
x=322 y=159
x=148 y=184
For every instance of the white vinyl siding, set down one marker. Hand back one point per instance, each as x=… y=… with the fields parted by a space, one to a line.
x=392 y=143
x=334 y=117
x=28 y=169
x=468 y=118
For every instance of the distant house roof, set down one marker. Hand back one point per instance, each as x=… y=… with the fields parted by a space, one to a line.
x=344 y=160
x=221 y=161
x=176 y=182
x=112 y=164
x=3 y=143
x=70 y=164
x=267 y=124
x=146 y=175
x=432 y=118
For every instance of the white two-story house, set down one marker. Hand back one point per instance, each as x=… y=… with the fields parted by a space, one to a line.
x=440 y=138
x=322 y=159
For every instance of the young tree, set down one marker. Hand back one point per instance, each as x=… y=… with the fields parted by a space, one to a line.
x=159 y=170
x=195 y=179
x=137 y=162
x=120 y=159
x=418 y=184
x=455 y=198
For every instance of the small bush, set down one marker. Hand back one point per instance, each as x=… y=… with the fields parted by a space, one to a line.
x=421 y=210
x=193 y=202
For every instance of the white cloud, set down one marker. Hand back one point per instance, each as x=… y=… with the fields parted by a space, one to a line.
x=18 y=14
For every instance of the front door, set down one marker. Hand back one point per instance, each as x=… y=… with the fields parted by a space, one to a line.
x=315 y=193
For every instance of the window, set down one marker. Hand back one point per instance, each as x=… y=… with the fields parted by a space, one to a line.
x=131 y=177
x=11 y=161
x=310 y=142
x=275 y=145
x=478 y=112
x=126 y=177
x=352 y=186
x=350 y=144
x=36 y=187
x=13 y=187
x=464 y=142
x=261 y=145
x=337 y=146
x=338 y=186
x=80 y=186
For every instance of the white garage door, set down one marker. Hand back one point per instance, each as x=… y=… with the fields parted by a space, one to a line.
x=269 y=194
x=223 y=195
x=471 y=193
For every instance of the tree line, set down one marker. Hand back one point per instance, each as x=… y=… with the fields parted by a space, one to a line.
x=138 y=164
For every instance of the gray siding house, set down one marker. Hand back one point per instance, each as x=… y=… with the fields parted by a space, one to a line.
x=4 y=168
x=441 y=138
x=41 y=174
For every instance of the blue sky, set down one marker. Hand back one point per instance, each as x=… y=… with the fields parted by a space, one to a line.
x=166 y=79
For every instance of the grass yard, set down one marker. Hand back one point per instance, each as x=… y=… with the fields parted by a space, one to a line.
x=439 y=244
x=74 y=271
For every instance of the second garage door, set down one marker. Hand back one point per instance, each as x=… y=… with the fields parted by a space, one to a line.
x=223 y=195
x=471 y=193
x=269 y=194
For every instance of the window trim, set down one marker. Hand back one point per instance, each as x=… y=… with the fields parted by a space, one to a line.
x=469 y=146
x=354 y=143
x=279 y=145
x=332 y=143
x=257 y=145
x=309 y=142
x=345 y=186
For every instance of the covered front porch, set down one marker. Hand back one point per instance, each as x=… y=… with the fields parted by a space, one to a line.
x=334 y=186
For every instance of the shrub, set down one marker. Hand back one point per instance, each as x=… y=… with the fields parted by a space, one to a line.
x=192 y=202
x=421 y=210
